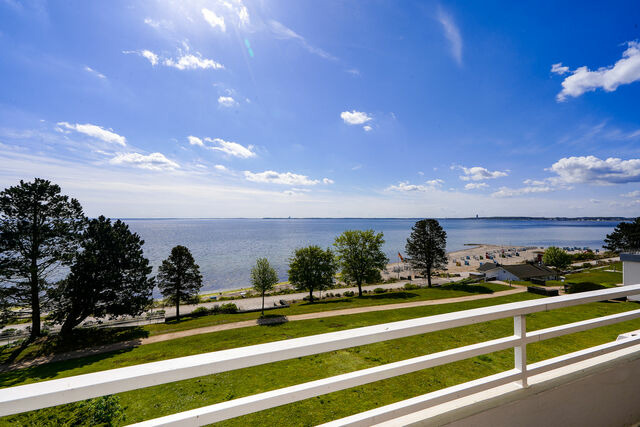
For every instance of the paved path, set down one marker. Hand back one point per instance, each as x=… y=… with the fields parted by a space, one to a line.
x=270 y=301
x=244 y=324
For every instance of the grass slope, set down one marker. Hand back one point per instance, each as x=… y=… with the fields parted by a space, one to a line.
x=183 y=395
x=84 y=338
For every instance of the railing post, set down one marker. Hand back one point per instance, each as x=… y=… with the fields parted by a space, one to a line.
x=520 y=351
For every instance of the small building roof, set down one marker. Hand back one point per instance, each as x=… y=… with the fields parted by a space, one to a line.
x=488 y=266
x=528 y=271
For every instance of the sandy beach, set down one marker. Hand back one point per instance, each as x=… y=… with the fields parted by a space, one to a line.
x=469 y=259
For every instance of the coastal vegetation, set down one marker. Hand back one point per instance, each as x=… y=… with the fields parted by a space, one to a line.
x=263 y=278
x=312 y=268
x=426 y=247
x=109 y=276
x=556 y=257
x=625 y=237
x=179 y=277
x=360 y=256
x=40 y=231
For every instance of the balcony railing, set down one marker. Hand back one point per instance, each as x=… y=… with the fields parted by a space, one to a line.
x=29 y=397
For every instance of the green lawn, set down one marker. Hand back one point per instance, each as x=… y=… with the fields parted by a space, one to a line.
x=594 y=275
x=92 y=337
x=183 y=395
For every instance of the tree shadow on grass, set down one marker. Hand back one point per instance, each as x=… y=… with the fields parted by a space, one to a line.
x=474 y=289
x=86 y=340
x=50 y=370
x=366 y=297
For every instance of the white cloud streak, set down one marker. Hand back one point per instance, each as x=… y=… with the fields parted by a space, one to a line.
x=284 y=178
x=405 y=187
x=513 y=192
x=476 y=185
x=95 y=131
x=153 y=161
x=189 y=61
x=452 y=33
x=478 y=173
x=94 y=72
x=232 y=148
x=282 y=32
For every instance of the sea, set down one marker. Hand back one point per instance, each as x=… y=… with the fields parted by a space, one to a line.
x=226 y=249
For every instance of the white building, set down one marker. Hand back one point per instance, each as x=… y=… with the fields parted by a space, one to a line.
x=631 y=271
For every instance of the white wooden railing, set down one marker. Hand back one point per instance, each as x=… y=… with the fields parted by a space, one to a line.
x=44 y=394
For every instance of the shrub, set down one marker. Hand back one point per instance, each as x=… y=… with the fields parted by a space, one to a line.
x=337 y=294
x=586 y=265
x=379 y=291
x=200 y=311
x=349 y=293
x=574 y=288
x=228 y=308
x=410 y=286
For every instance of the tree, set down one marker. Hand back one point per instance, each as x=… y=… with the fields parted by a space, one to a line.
x=109 y=276
x=625 y=237
x=263 y=278
x=360 y=256
x=426 y=247
x=556 y=257
x=39 y=232
x=179 y=277
x=312 y=268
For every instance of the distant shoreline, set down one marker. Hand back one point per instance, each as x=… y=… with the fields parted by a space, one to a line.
x=497 y=218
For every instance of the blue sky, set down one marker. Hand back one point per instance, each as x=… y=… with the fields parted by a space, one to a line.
x=335 y=108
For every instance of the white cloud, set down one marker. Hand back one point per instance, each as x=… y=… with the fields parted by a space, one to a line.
x=478 y=173
x=191 y=62
x=239 y=9
x=150 y=22
x=152 y=57
x=232 y=148
x=327 y=181
x=590 y=169
x=632 y=194
x=285 y=178
x=559 y=69
x=355 y=117
x=404 y=186
x=94 y=72
x=213 y=19
x=95 y=131
x=194 y=140
x=283 y=32
x=367 y=128
x=476 y=185
x=153 y=161
x=452 y=33
x=625 y=71
x=221 y=168
x=535 y=182
x=512 y=192
x=227 y=101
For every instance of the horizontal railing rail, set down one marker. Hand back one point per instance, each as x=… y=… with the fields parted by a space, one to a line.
x=65 y=390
